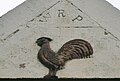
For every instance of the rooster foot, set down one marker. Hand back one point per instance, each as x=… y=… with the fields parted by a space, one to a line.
x=50 y=77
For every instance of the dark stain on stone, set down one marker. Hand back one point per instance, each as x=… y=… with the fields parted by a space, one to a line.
x=117 y=46
x=13 y=56
x=22 y=65
x=105 y=33
x=67 y=27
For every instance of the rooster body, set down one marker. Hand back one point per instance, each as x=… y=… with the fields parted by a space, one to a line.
x=73 y=49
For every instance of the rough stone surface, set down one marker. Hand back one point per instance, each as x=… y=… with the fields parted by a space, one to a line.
x=62 y=20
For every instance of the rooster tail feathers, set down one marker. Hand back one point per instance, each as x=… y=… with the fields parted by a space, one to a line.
x=75 y=49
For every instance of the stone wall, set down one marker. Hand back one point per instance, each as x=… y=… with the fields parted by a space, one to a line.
x=62 y=20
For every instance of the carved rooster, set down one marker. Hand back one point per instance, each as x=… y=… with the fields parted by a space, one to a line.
x=73 y=49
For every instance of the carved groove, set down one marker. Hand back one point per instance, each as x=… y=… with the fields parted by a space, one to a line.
x=10 y=35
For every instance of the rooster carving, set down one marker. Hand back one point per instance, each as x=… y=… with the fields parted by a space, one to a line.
x=73 y=49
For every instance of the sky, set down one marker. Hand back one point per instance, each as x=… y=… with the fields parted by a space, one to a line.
x=7 y=5
x=115 y=3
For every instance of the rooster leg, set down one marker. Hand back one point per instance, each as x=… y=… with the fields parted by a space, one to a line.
x=51 y=74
